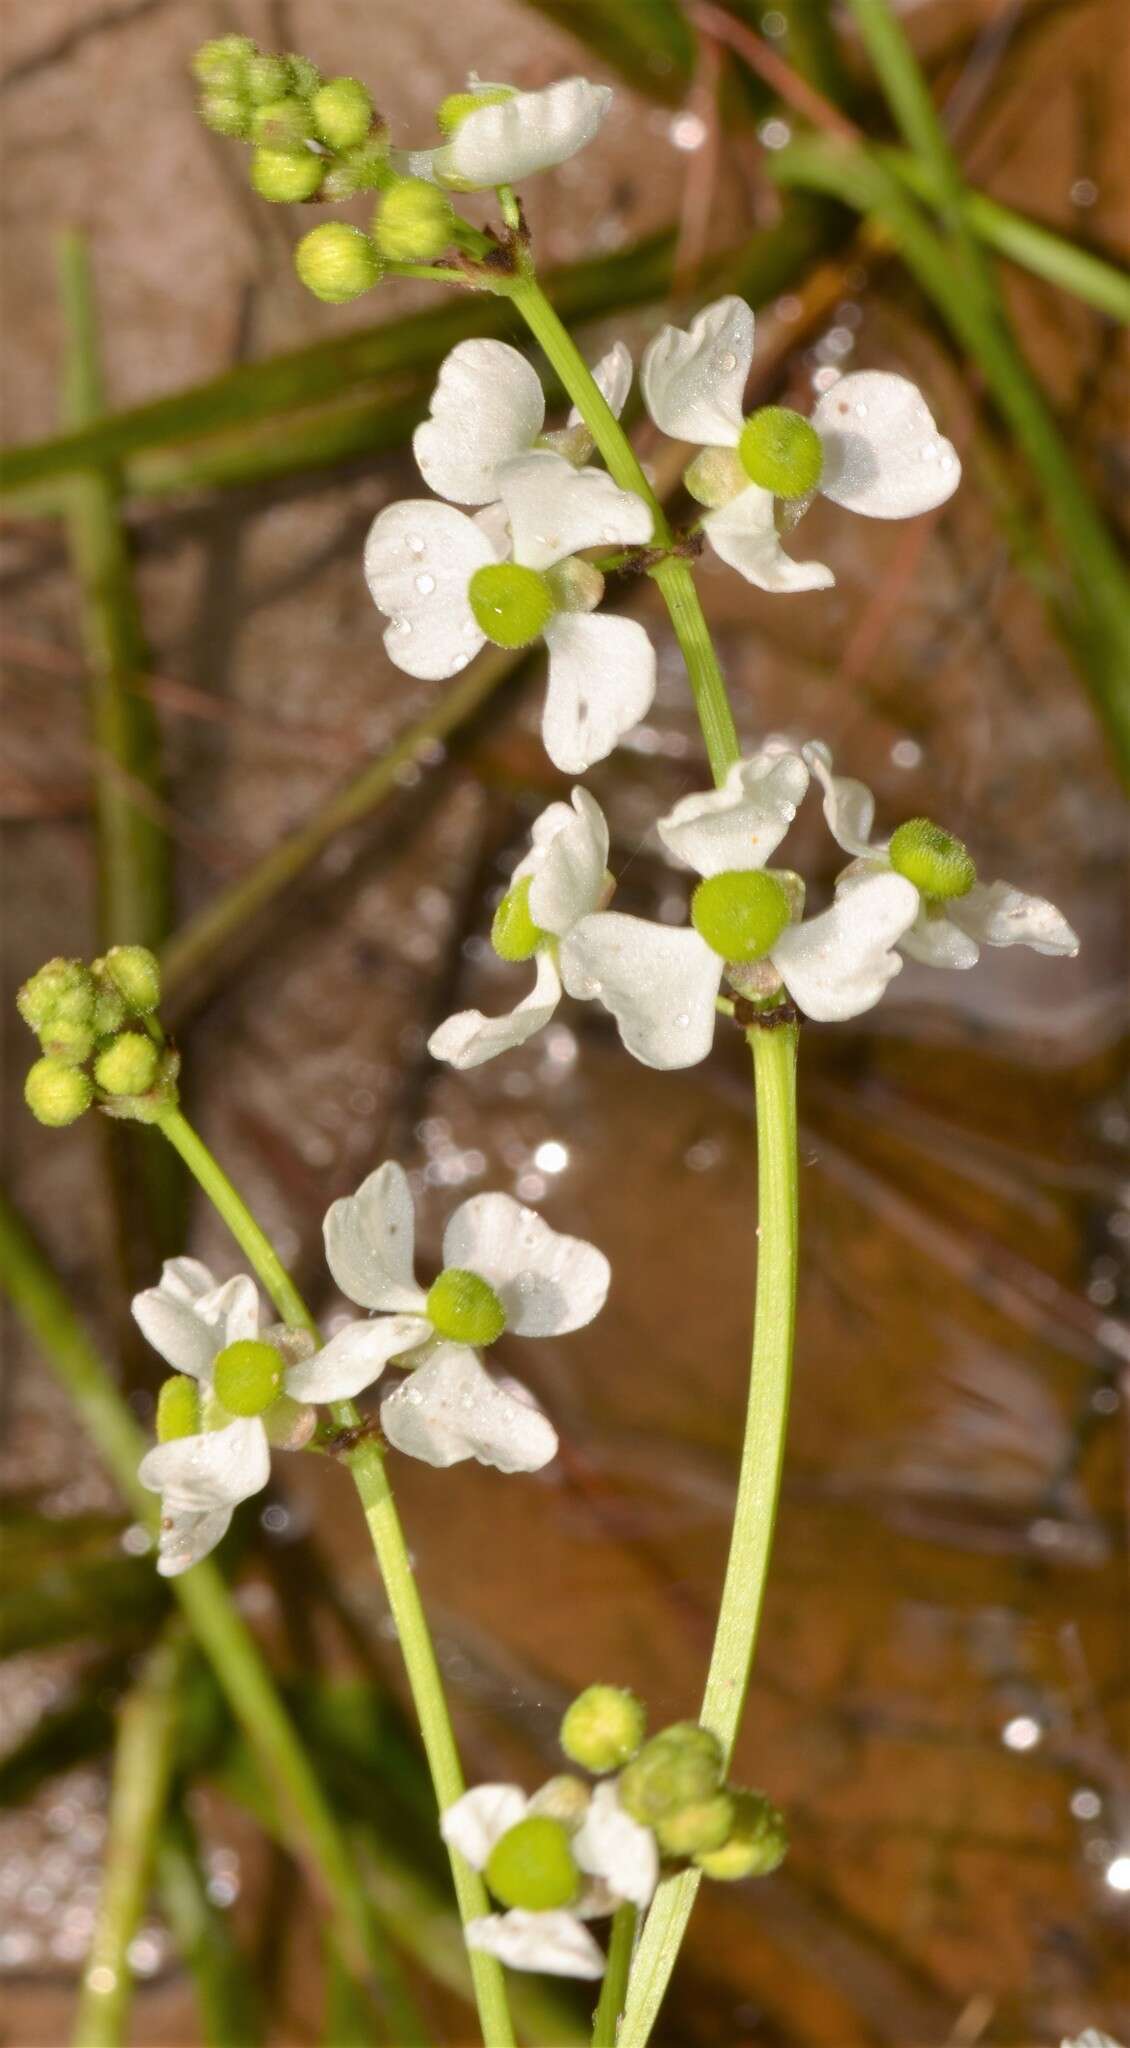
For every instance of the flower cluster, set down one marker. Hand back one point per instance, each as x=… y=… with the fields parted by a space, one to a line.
x=99 y=1038
x=239 y=1388
x=572 y=1853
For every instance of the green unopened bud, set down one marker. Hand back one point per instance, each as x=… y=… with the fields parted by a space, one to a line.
x=453 y=111
x=137 y=973
x=178 y=1408
x=226 y=113
x=511 y=605
x=267 y=78
x=286 y=177
x=109 y=1006
x=337 y=263
x=128 y=1065
x=603 y=1728
x=281 y=124
x=715 y=477
x=358 y=170
x=739 y=914
x=937 y=863
x=56 y=1094
x=247 y=1376
x=704 y=1824
x=414 y=222
x=756 y=1844
x=677 y=1768
x=531 y=1866
x=305 y=77
x=342 y=111
x=60 y=988
x=222 y=64
x=513 y=933
x=66 y=1040
x=563 y=1798
x=464 y=1307
x=782 y=452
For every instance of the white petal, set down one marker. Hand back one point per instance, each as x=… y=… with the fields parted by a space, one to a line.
x=231 y=1310
x=999 y=915
x=659 y=983
x=419 y=559
x=188 y=1534
x=742 y=824
x=450 y=1409
x=611 y=1845
x=469 y=1038
x=838 y=964
x=369 y=1242
x=555 y=1943
x=849 y=806
x=508 y=141
x=171 y=1324
x=601 y=682
x=694 y=380
x=488 y=406
x=546 y=1282
x=476 y=1822
x=883 y=455
x=186 y=1279
x=354 y=1358
x=555 y=509
x=935 y=941
x=491 y=520
x=613 y=377
x=568 y=863
x=214 y=1469
x=744 y=534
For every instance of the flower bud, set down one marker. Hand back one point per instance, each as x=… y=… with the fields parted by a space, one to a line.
x=222 y=64
x=512 y=605
x=358 y=170
x=281 y=124
x=603 y=1727
x=128 y=1065
x=247 y=1376
x=531 y=1866
x=136 y=972
x=757 y=1842
x=464 y=1307
x=286 y=177
x=178 y=1408
x=563 y=1798
x=678 y=1767
x=61 y=988
x=937 y=863
x=781 y=451
x=289 y=1424
x=577 y=586
x=109 y=1004
x=337 y=263
x=151 y=1104
x=68 y=1041
x=414 y=222
x=702 y=1825
x=267 y=78
x=715 y=477
x=57 y=1094
x=513 y=933
x=453 y=111
x=740 y=914
x=305 y=78
x=226 y=113
x=342 y=112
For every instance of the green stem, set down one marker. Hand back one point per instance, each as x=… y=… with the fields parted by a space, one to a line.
x=606 y=2021
x=674 y=578
x=743 y=1594
x=367 y=1467
x=225 y=1993
x=143 y=1763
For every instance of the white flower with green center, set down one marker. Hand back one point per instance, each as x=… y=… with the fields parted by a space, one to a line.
x=871 y=445
x=504 y=1269
x=496 y=135
x=662 y=983
x=238 y=1391
x=446 y=584
x=553 y=1863
x=957 y=914
x=488 y=407
x=562 y=879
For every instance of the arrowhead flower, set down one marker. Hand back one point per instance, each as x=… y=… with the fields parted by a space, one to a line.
x=661 y=983
x=561 y=880
x=448 y=586
x=499 y=136
x=504 y=1268
x=956 y=914
x=871 y=445
x=488 y=407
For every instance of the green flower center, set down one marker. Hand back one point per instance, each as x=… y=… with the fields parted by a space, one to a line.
x=740 y=915
x=512 y=605
x=178 y=1408
x=247 y=1376
x=937 y=863
x=464 y=1307
x=780 y=451
x=532 y=1866
x=453 y=111
x=513 y=934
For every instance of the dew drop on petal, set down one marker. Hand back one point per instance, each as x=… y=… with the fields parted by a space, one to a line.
x=861 y=411
x=683 y=1020
x=729 y=361
x=414 y=544
x=425 y=584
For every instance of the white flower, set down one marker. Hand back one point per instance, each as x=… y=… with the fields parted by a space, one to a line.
x=615 y=1850
x=507 y=139
x=661 y=984
x=566 y=869
x=871 y=444
x=949 y=929
x=447 y=587
x=503 y=1268
x=488 y=406
x=191 y=1321
x=558 y=1944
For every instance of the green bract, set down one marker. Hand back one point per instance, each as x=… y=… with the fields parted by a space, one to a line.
x=739 y=914
x=247 y=1376
x=936 y=862
x=128 y=1066
x=603 y=1727
x=286 y=177
x=531 y=1866
x=343 y=111
x=513 y=933
x=56 y=1094
x=178 y=1408
x=337 y=263
x=465 y=1308
x=414 y=222
x=756 y=1844
x=780 y=451
x=511 y=605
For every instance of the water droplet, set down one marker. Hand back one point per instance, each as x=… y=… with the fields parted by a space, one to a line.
x=928 y=452
x=729 y=361
x=861 y=411
x=414 y=544
x=425 y=584
x=683 y=1020
x=402 y=627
